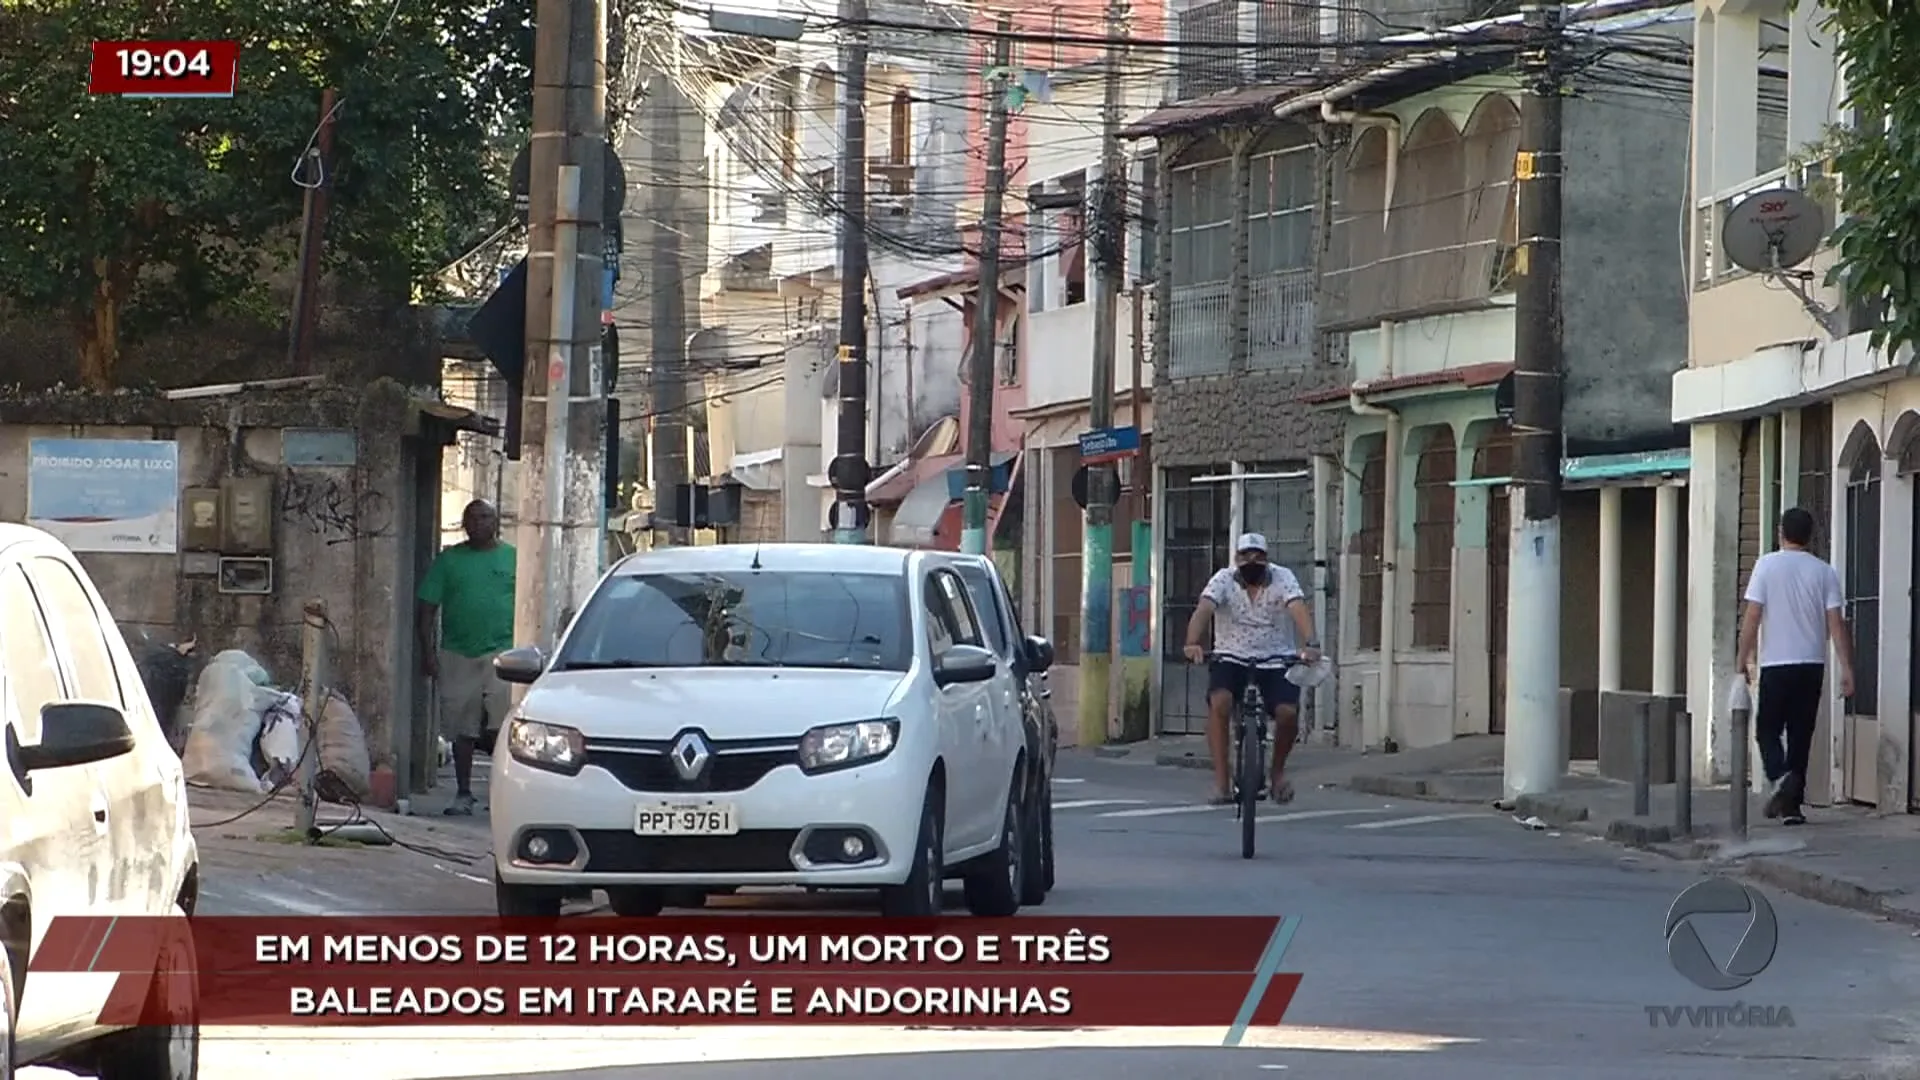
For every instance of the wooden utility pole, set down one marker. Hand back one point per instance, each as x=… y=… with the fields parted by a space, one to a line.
x=317 y=169
x=986 y=315
x=850 y=469
x=1535 y=756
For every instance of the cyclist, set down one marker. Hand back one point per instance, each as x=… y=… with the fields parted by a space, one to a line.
x=1258 y=612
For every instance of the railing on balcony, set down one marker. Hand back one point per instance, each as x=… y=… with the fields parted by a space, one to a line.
x=1710 y=265
x=1198 y=331
x=1281 y=321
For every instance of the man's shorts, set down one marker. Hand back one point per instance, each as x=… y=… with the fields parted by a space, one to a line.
x=472 y=698
x=1233 y=677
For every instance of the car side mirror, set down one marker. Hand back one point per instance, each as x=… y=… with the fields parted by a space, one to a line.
x=72 y=733
x=520 y=666
x=1039 y=653
x=965 y=664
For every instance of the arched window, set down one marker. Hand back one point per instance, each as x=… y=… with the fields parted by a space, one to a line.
x=1493 y=460
x=1428 y=227
x=1433 y=518
x=1862 y=462
x=1368 y=542
x=1492 y=138
x=1357 y=244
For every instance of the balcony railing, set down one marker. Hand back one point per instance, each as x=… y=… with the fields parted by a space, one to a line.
x=1197 y=331
x=1710 y=265
x=1281 y=321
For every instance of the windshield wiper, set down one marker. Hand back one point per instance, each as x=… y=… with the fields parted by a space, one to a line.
x=606 y=665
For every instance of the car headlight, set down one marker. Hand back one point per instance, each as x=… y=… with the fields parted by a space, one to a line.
x=841 y=746
x=547 y=746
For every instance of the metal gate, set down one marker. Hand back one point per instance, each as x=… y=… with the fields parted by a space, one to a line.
x=1196 y=522
x=1494 y=460
x=1206 y=509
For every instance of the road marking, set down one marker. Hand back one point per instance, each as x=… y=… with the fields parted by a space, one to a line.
x=1399 y=823
x=1069 y=780
x=1308 y=815
x=1162 y=811
x=1081 y=804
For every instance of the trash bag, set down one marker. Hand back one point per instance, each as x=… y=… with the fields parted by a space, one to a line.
x=280 y=741
x=229 y=705
x=343 y=746
x=166 y=669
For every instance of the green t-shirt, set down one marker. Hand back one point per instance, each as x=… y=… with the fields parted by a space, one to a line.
x=473 y=588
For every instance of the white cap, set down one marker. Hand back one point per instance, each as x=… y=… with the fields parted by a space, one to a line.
x=1251 y=542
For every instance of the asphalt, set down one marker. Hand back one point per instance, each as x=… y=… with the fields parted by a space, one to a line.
x=1440 y=942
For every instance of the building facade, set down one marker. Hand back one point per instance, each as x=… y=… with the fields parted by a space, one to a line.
x=1788 y=406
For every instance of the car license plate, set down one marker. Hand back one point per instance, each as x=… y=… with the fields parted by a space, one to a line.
x=686 y=819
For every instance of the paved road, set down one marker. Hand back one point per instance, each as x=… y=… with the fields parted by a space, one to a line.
x=1436 y=942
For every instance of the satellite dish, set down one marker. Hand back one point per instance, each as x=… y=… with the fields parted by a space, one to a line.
x=1773 y=230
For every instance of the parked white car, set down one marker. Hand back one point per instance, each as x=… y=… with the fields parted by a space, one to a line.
x=818 y=715
x=93 y=818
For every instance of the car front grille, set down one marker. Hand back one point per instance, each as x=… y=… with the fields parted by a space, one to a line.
x=753 y=851
x=648 y=765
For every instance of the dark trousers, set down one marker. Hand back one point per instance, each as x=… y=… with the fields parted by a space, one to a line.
x=1789 y=709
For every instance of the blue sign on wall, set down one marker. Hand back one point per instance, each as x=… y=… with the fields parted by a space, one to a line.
x=1109 y=444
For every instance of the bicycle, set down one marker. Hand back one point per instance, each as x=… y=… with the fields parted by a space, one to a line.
x=1251 y=740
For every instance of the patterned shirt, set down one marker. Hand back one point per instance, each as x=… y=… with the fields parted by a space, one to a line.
x=1249 y=626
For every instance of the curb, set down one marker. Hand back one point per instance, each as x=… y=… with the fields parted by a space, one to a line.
x=1113 y=753
x=1415 y=787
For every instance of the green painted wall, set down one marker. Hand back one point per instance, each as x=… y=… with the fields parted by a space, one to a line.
x=1468 y=416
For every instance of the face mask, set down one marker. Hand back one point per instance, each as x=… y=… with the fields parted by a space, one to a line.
x=1253 y=573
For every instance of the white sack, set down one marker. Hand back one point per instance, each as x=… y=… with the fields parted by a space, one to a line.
x=343 y=746
x=229 y=702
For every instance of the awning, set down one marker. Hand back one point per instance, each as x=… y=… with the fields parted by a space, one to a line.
x=922 y=518
x=1607 y=470
x=1468 y=377
x=758 y=470
x=918 y=515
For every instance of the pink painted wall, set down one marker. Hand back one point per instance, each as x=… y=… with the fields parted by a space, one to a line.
x=1084 y=22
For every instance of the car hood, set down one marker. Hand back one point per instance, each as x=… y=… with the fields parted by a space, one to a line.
x=726 y=703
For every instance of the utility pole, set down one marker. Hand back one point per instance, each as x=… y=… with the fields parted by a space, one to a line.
x=986 y=308
x=1534 y=754
x=313 y=239
x=661 y=112
x=561 y=488
x=1106 y=229
x=850 y=469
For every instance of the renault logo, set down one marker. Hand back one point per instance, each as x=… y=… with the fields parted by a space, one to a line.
x=690 y=755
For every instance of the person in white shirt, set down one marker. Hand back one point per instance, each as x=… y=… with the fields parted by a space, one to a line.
x=1259 y=614
x=1794 y=609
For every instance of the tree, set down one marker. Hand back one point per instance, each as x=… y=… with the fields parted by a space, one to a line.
x=124 y=215
x=1878 y=162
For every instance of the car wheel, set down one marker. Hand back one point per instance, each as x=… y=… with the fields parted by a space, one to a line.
x=1033 y=851
x=995 y=882
x=636 y=901
x=169 y=1051
x=921 y=895
x=526 y=901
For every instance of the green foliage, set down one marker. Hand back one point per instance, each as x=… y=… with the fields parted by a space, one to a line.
x=121 y=215
x=1877 y=160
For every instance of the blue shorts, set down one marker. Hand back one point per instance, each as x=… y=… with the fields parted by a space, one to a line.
x=1232 y=676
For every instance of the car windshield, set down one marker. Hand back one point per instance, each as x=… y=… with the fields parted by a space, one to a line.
x=744 y=618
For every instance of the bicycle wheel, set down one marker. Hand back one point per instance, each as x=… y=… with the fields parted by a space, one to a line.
x=1249 y=783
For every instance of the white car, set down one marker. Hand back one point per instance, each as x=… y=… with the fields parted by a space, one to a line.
x=93 y=819
x=816 y=715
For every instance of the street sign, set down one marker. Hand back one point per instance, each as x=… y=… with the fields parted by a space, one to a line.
x=1109 y=444
x=520 y=185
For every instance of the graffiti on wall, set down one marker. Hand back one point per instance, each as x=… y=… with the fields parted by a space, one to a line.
x=325 y=504
x=1136 y=621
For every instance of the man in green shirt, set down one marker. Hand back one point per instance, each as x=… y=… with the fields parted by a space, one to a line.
x=467 y=596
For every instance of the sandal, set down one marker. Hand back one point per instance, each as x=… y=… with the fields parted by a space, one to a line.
x=1283 y=791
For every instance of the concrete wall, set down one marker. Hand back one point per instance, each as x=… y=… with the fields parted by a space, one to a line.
x=349 y=535
x=1623 y=282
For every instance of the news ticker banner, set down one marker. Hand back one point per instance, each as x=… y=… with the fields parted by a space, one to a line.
x=1043 y=972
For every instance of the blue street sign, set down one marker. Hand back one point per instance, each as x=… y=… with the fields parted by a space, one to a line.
x=1109 y=444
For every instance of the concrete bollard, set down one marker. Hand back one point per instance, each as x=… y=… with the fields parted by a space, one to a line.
x=1742 y=778
x=1683 y=775
x=1643 y=759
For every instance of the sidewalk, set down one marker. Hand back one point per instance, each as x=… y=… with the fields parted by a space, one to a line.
x=1846 y=856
